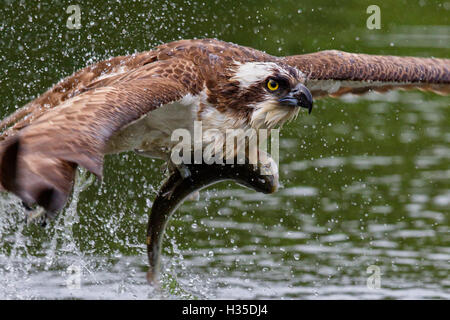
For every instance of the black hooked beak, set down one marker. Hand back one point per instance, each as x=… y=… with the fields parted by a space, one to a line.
x=300 y=96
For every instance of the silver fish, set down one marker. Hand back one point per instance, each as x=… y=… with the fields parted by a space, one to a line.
x=262 y=178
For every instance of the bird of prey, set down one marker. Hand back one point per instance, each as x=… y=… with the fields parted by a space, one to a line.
x=135 y=102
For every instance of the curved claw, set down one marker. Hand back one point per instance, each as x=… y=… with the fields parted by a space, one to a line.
x=38 y=215
x=262 y=178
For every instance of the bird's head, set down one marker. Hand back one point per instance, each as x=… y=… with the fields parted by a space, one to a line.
x=269 y=93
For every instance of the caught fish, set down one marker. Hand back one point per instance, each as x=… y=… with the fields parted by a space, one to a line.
x=262 y=178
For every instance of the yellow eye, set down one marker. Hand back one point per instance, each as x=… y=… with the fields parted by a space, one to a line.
x=272 y=85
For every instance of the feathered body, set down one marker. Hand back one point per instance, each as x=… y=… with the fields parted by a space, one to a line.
x=135 y=102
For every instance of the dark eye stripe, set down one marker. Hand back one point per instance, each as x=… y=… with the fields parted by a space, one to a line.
x=284 y=82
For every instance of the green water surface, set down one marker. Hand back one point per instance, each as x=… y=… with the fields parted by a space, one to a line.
x=366 y=180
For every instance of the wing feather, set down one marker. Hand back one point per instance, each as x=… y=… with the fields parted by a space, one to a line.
x=38 y=162
x=335 y=72
x=99 y=74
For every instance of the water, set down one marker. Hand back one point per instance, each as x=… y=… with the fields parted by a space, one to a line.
x=366 y=180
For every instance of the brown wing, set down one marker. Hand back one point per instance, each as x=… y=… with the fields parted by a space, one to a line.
x=336 y=72
x=97 y=75
x=39 y=161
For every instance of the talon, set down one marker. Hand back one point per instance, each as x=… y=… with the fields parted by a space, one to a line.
x=37 y=216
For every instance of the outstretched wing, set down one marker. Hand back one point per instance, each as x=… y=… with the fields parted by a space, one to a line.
x=38 y=162
x=335 y=73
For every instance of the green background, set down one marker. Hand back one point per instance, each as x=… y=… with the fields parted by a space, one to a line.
x=365 y=179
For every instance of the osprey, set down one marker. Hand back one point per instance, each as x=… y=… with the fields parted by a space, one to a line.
x=135 y=102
